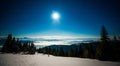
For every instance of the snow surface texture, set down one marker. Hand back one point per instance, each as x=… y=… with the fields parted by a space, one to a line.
x=44 y=60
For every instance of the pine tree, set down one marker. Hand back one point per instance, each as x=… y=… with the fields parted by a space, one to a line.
x=32 y=49
x=55 y=52
x=61 y=52
x=86 y=52
x=76 y=52
x=19 y=45
x=25 y=47
x=104 y=35
x=40 y=50
x=71 y=52
x=80 y=51
x=92 y=53
x=6 y=47
x=102 y=50
x=13 y=45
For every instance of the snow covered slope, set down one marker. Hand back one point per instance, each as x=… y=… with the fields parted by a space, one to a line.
x=44 y=60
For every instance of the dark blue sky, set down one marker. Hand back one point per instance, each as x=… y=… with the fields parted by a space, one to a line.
x=78 y=17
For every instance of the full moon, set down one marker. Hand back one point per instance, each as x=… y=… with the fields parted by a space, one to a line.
x=55 y=16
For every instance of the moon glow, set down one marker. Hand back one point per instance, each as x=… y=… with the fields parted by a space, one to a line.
x=55 y=16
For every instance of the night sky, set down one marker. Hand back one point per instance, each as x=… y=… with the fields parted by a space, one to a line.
x=77 y=17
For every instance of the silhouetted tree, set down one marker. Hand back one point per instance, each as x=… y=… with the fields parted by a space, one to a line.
x=102 y=51
x=19 y=45
x=55 y=52
x=40 y=50
x=86 y=52
x=49 y=51
x=80 y=51
x=7 y=46
x=92 y=52
x=71 y=52
x=61 y=51
x=25 y=47
x=14 y=46
x=76 y=52
x=32 y=48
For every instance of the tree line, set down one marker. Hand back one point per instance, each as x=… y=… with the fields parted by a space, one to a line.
x=13 y=45
x=105 y=49
x=82 y=50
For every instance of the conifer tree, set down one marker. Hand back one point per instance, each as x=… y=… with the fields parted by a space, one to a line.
x=6 y=47
x=80 y=51
x=61 y=51
x=102 y=51
x=32 y=49
x=13 y=45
